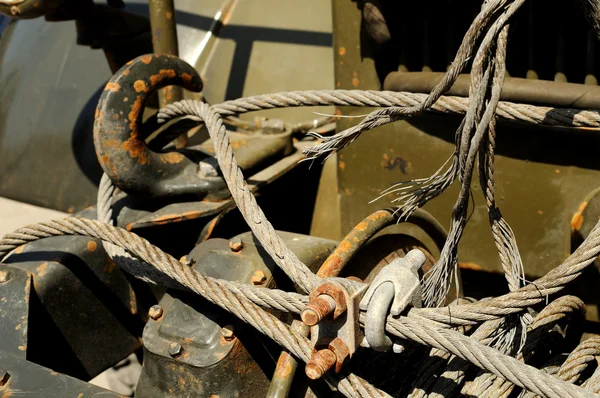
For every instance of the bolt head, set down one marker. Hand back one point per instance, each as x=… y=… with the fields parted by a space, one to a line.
x=4 y=377
x=5 y=276
x=155 y=312
x=227 y=332
x=259 y=278
x=175 y=350
x=236 y=244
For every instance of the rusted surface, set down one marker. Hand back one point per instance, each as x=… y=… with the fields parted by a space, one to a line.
x=359 y=235
x=227 y=332
x=120 y=147
x=320 y=362
x=577 y=219
x=317 y=309
x=164 y=41
x=259 y=277
x=332 y=290
x=341 y=352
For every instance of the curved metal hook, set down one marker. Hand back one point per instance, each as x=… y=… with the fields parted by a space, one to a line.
x=121 y=150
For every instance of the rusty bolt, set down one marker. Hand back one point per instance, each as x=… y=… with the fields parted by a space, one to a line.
x=4 y=376
x=155 y=312
x=236 y=245
x=259 y=278
x=5 y=276
x=318 y=309
x=320 y=362
x=175 y=350
x=340 y=349
x=227 y=332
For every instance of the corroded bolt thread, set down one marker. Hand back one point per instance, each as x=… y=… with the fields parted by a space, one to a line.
x=4 y=376
x=318 y=309
x=320 y=362
x=175 y=350
x=5 y=276
x=236 y=245
x=227 y=332
x=259 y=278
x=155 y=312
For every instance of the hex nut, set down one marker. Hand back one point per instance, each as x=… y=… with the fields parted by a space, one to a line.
x=334 y=291
x=155 y=312
x=175 y=350
x=341 y=352
x=236 y=244
x=227 y=332
x=259 y=278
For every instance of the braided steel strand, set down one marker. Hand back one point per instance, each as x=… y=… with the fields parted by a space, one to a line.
x=527 y=296
x=455 y=372
x=106 y=190
x=486 y=358
x=246 y=202
x=562 y=308
x=217 y=292
x=510 y=111
x=214 y=290
x=431 y=367
x=487 y=77
x=593 y=383
x=504 y=238
x=390 y=114
x=141 y=270
x=278 y=300
x=579 y=360
x=428 y=372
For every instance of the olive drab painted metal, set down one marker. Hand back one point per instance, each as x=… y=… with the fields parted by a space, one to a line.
x=543 y=174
